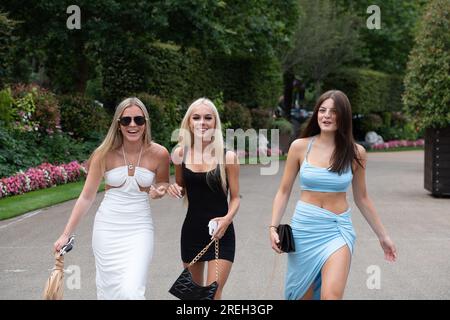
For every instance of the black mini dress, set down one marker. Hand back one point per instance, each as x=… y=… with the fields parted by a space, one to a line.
x=207 y=200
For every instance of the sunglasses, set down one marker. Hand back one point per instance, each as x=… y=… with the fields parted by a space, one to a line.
x=125 y=121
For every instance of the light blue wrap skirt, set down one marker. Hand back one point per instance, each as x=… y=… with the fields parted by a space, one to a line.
x=318 y=233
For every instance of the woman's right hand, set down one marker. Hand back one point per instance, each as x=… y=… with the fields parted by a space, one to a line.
x=62 y=240
x=274 y=239
x=175 y=191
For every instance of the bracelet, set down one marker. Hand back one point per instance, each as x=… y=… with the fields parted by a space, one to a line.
x=276 y=227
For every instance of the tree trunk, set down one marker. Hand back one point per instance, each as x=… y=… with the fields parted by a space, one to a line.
x=82 y=65
x=288 y=79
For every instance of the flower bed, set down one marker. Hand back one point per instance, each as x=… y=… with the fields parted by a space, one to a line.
x=44 y=176
x=397 y=144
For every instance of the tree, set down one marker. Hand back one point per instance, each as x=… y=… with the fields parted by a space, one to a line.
x=233 y=27
x=6 y=41
x=70 y=56
x=427 y=80
x=386 y=49
x=323 y=41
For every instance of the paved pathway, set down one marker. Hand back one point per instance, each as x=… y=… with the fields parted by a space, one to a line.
x=417 y=222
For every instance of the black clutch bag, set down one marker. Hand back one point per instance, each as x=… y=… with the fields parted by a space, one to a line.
x=184 y=288
x=286 y=238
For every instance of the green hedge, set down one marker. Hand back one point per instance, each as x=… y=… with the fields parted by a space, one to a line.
x=250 y=81
x=184 y=74
x=369 y=91
x=164 y=118
x=123 y=72
x=178 y=75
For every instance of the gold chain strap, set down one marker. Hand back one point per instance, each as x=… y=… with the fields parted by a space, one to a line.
x=217 y=260
x=201 y=253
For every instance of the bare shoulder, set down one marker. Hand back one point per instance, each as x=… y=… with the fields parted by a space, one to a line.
x=230 y=157
x=298 y=147
x=178 y=151
x=361 y=151
x=157 y=150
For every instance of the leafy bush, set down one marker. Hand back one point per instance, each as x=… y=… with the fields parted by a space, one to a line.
x=427 y=83
x=261 y=119
x=237 y=116
x=82 y=117
x=38 y=106
x=6 y=103
x=371 y=122
x=283 y=125
x=20 y=150
x=254 y=82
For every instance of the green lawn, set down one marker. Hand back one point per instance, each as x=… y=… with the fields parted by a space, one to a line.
x=16 y=205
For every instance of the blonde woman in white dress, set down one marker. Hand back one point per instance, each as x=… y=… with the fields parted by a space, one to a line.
x=133 y=167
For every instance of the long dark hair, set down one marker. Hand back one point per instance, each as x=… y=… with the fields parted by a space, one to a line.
x=345 y=150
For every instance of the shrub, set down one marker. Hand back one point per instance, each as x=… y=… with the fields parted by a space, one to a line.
x=427 y=83
x=249 y=81
x=82 y=117
x=237 y=116
x=36 y=107
x=371 y=122
x=283 y=125
x=261 y=119
x=6 y=103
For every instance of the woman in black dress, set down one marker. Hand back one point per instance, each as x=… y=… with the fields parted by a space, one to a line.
x=206 y=173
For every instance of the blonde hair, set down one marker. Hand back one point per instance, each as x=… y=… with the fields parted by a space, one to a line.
x=114 y=138
x=185 y=139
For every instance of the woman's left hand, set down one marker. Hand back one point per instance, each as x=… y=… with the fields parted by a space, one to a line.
x=158 y=192
x=222 y=225
x=388 y=246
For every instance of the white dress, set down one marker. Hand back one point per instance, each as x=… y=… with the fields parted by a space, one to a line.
x=122 y=238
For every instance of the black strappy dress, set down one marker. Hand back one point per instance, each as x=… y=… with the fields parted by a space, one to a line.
x=207 y=200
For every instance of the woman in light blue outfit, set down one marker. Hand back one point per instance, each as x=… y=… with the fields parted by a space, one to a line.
x=328 y=160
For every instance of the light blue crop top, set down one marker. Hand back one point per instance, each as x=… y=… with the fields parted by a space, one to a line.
x=320 y=179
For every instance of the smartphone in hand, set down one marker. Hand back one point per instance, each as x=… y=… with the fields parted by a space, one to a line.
x=212 y=225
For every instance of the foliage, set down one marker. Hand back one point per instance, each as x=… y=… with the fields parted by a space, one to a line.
x=44 y=176
x=427 y=81
x=283 y=125
x=386 y=49
x=253 y=27
x=369 y=91
x=237 y=116
x=261 y=119
x=36 y=108
x=178 y=75
x=6 y=103
x=20 y=150
x=254 y=82
x=6 y=40
x=82 y=117
x=164 y=118
x=324 y=40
